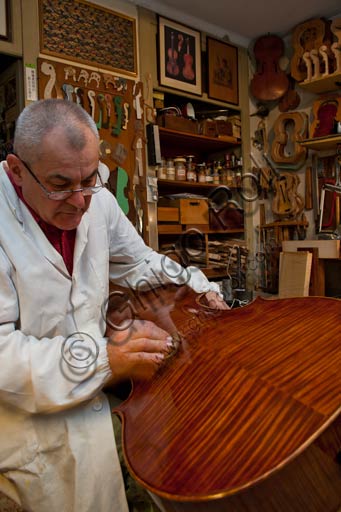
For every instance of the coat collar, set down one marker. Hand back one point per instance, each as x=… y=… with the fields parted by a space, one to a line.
x=32 y=229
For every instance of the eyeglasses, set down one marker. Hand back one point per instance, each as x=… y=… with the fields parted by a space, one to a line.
x=59 y=195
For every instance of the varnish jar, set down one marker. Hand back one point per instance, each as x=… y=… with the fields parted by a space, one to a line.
x=201 y=173
x=191 y=174
x=162 y=170
x=180 y=168
x=170 y=169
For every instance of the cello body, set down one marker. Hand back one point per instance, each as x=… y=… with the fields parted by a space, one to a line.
x=246 y=416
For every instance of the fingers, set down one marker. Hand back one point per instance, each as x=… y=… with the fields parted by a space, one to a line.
x=215 y=301
x=138 y=329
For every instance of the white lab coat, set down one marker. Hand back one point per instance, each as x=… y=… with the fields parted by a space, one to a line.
x=57 y=448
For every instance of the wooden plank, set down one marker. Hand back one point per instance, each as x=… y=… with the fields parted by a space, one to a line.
x=327 y=248
x=294 y=274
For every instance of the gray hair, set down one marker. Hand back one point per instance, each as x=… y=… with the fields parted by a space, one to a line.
x=41 y=117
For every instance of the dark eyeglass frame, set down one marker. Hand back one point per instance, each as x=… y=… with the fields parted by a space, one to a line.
x=60 y=195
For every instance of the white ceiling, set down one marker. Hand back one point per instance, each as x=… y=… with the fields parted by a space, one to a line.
x=243 y=20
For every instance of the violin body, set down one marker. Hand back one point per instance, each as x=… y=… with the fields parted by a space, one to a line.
x=188 y=71
x=245 y=417
x=172 y=65
x=269 y=82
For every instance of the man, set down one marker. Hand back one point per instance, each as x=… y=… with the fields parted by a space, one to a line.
x=62 y=238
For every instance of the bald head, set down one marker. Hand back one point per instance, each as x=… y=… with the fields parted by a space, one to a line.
x=42 y=117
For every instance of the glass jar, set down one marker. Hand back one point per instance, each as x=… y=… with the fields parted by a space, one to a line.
x=191 y=174
x=170 y=169
x=180 y=168
x=162 y=170
x=209 y=174
x=201 y=168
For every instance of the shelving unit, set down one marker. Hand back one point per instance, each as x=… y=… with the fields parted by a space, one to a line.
x=204 y=148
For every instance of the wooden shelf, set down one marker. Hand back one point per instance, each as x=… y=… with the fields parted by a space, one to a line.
x=178 y=230
x=214 y=272
x=322 y=143
x=328 y=83
x=187 y=143
x=188 y=185
x=284 y=223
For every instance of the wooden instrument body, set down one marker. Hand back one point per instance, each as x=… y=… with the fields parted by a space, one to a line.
x=287 y=202
x=306 y=37
x=246 y=416
x=269 y=82
x=285 y=147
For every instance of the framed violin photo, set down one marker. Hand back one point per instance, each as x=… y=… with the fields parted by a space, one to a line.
x=222 y=70
x=179 y=57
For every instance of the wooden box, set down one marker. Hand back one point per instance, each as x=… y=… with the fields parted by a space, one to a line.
x=208 y=128
x=177 y=123
x=191 y=210
x=224 y=127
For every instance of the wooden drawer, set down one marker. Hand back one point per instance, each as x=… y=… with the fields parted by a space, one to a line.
x=191 y=210
x=167 y=214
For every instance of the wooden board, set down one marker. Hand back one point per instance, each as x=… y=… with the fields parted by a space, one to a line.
x=294 y=274
x=327 y=248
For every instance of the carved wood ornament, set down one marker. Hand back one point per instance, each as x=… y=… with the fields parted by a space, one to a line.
x=308 y=36
x=289 y=129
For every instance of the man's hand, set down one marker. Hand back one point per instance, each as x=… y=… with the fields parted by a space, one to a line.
x=138 y=351
x=215 y=301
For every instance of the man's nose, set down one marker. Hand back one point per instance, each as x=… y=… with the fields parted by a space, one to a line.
x=77 y=199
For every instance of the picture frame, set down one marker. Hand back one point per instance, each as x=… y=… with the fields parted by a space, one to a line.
x=5 y=32
x=222 y=71
x=89 y=34
x=179 y=56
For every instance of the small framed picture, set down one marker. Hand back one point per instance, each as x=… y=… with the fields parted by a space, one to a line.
x=222 y=70
x=179 y=57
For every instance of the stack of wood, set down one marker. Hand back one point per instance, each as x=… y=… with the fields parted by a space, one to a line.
x=227 y=255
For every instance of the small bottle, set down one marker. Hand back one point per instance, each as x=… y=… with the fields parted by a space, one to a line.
x=201 y=173
x=217 y=173
x=191 y=175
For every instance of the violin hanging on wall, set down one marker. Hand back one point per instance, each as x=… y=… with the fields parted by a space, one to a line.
x=269 y=82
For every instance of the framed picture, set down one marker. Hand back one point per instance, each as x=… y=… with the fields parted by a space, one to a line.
x=4 y=20
x=88 y=34
x=222 y=69
x=179 y=56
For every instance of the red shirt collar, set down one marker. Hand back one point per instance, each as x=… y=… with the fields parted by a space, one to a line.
x=62 y=240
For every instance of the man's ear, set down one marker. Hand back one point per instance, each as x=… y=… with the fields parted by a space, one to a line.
x=14 y=165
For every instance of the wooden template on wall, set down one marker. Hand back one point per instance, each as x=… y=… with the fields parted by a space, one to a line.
x=115 y=104
x=222 y=66
x=179 y=56
x=89 y=34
